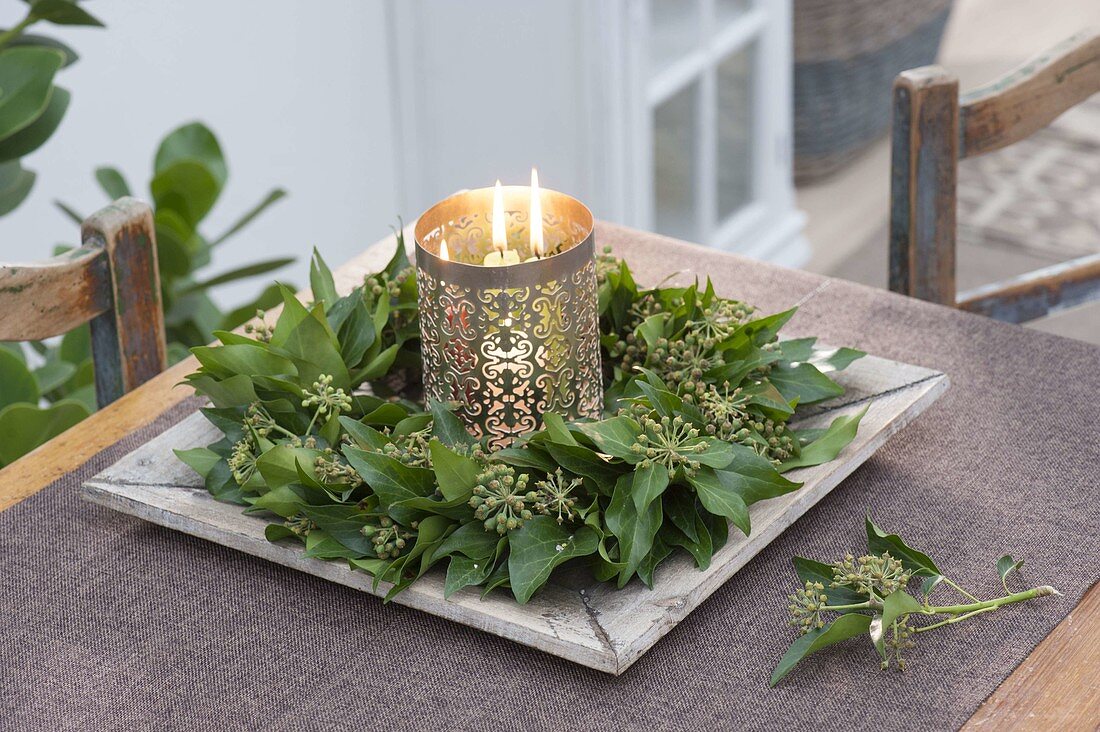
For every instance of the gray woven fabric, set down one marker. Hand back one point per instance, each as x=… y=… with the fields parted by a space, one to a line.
x=112 y=623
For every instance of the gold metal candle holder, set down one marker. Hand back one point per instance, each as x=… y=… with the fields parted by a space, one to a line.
x=507 y=344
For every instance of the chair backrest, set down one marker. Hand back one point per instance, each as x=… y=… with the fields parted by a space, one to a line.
x=112 y=281
x=933 y=129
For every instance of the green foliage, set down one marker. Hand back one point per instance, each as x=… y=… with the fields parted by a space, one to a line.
x=870 y=594
x=31 y=105
x=681 y=451
x=189 y=174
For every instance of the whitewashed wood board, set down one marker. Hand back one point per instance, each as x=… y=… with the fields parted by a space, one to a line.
x=574 y=616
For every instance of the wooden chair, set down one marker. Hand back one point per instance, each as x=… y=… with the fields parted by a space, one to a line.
x=933 y=128
x=111 y=280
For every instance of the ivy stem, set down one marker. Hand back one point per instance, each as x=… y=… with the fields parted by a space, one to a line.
x=948 y=581
x=18 y=28
x=855 y=606
x=955 y=619
x=991 y=604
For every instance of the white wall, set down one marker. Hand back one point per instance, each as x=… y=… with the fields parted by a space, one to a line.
x=490 y=89
x=297 y=92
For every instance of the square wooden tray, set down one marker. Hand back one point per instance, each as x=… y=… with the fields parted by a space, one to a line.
x=573 y=616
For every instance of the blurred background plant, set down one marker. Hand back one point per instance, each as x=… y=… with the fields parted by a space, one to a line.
x=31 y=105
x=46 y=387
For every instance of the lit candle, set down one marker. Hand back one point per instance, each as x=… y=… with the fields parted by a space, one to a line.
x=443 y=253
x=501 y=254
x=538 y=247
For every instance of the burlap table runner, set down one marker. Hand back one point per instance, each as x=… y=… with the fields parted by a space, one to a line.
x=109 y=622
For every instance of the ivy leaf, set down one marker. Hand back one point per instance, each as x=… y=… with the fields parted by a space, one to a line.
x=835 y=359
x=231 y=360
x=826 y=447
x=634 y=529
x=464 y=571
x=582 y=461
x=615 y=436
x=720 y=499
x=470 y=540
x=764 y=394
x=392 y=481
x=1006 y=565
x=700 y=548
x=809 y=570
x=279 y=465
x=540 y=545
x=803 y=383
x=447 y=427
x=200 y=459
x=286 y=501
x=365 y=437
x=679 y=508
x=915 y=561
x=649 y=483
x=758 y=331
x=718 y=454
x=321 y=282
x=753 y=477
x=556 y=429
x=525 y=457
x=455 y=474
x=897 y=604
x=930 y=583
x=734 y=371
x=344 y=524
x=845 y=627
x=322 y=545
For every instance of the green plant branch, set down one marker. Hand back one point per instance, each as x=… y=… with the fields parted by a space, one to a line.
x=963 y=592
x=956 y=619
x=1031 y=594
x=15 y=31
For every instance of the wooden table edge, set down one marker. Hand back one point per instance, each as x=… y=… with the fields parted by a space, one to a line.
x=1034 y=695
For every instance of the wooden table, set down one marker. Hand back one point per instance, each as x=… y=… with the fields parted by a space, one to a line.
x=1056 y=687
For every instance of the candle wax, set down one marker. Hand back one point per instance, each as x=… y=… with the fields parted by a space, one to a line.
x=501 y=259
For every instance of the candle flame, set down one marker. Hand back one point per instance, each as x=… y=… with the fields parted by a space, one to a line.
x=443 y=253
x=500 y=237
x=538 y=248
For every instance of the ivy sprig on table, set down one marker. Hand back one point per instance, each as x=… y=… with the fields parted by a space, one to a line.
x=870 y=596
x=324 y=429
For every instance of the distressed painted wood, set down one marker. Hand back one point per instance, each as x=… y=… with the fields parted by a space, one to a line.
x=574 y=617
x=1033 y=295
x=1029 y=98
x=128 y=345
x=933 y=129
x=112 y=282
x=922 y=184
x=48 y=298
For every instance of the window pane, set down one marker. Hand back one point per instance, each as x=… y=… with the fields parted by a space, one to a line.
x=734 y=126
x=674 y=30
x=674 y=156
x=730 y=10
